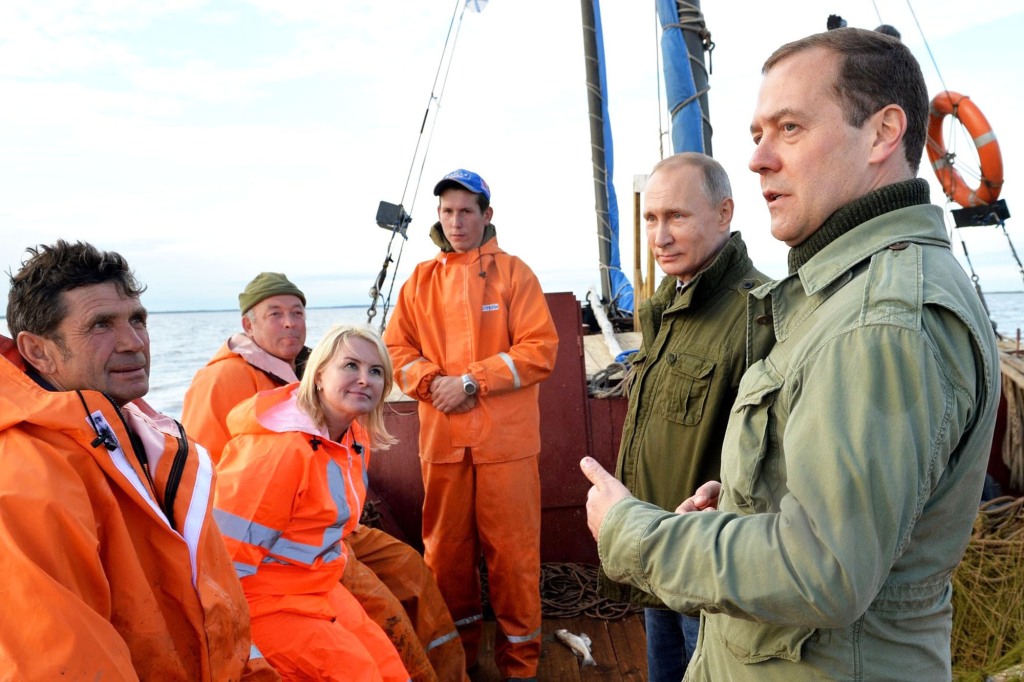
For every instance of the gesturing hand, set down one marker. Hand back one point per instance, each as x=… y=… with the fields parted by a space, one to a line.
x=606 y=491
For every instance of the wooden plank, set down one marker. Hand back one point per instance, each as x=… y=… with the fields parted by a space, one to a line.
x=619 y=649
x=486 y=670
x=630 y=640
x=603 y=651
x=557 y=662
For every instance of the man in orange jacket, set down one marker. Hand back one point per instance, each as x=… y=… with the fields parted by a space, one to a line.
x=269 y=352
x=471 y=338
x=112 y=565
x=386 y=576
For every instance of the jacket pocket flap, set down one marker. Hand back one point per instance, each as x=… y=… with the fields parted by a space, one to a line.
x=758 y=382
x=692 y=365
x=751 y=642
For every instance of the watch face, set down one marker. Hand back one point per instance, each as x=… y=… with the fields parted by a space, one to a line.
x=468 y=386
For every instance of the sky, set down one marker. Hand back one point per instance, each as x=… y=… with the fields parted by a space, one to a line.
x=207 y=141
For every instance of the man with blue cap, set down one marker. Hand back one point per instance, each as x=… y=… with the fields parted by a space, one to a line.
x=471 y=338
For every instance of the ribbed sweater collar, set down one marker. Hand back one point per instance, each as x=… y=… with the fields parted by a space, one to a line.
x=881 y=201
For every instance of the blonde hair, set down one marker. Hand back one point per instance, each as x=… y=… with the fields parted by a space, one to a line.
x=309 y=400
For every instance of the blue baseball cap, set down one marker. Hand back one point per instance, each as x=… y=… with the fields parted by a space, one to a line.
x=464 y=179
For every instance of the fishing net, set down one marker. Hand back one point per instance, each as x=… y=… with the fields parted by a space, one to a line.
x=988 y=594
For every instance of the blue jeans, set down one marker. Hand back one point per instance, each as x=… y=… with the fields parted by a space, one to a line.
x=671 y=641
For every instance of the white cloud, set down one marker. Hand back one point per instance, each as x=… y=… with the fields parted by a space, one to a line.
x=208 y=141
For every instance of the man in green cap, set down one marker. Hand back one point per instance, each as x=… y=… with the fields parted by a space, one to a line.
x=270 y=352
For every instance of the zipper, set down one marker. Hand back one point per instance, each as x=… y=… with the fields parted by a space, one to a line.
x=174 y=477
x=136 y=443
x=177 y=468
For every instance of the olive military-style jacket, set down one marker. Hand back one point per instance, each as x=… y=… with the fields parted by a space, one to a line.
x=851 y=473
x=684 y=383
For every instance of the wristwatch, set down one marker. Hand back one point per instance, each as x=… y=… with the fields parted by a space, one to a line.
x=468 y=385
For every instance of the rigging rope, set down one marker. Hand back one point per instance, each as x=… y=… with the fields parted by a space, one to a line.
x=424 y=138
x=1001 y=223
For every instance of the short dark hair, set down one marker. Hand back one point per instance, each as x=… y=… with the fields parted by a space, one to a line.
x=875 y=70
x=35 y=303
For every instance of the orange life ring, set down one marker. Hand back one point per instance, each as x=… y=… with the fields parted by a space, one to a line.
x=964 y=110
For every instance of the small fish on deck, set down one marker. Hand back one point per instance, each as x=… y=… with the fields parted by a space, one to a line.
x=578 y=644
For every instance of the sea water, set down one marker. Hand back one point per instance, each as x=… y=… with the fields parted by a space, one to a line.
x=183 y=342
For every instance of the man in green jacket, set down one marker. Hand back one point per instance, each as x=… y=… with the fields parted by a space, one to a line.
x=687 y=372
x=855 y=455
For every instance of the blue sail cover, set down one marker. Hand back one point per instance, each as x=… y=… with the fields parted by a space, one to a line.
x=687 y=126
x=621 y=288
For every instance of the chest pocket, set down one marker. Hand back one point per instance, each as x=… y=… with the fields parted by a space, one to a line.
x=750 y=456
x=686 y=387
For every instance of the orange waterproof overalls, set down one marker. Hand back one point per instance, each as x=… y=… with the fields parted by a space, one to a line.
x=387 y=577
x=480 y=313
x=110 y=570
x=286 y=496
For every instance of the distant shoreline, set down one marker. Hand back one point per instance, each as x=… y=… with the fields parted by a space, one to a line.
x=363 y=305
x=228 y=310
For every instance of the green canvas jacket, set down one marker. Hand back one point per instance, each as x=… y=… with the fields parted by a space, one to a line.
x=851 y=472
x=686 y=375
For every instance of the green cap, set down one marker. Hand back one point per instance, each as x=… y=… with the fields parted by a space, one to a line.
x=265 y=285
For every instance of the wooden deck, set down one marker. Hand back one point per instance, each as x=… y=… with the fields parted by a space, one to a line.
x=619 y=649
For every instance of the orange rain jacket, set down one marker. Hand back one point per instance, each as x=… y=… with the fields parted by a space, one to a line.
x=286 y=497
x=238 y=370
x=96 y=584
x=481 y=313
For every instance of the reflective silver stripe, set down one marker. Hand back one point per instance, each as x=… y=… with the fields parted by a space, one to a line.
x=243 y=570
x=982 y=140
x=197 y=507
x=252 y=533
x=442 y=640
x=512 y=367
x=940 y=163
x=307 y=554
x=254 y=652
x=244 y=530
x=469 y=621
x=366 y=470
x=405 y=369
x=512 y=639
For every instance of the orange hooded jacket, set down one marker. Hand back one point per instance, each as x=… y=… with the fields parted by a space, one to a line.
x=481 y=313
x=286 y=497
x=238 y=370
x=97 y=581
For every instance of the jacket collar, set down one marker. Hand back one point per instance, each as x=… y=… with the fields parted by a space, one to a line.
x=437 y=236
x=252 y=353
x=722 y=271
x=873 y=204
x=917 y=224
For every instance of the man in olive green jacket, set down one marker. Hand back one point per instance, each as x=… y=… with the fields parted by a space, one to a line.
x=687 y=372
x=854 y=459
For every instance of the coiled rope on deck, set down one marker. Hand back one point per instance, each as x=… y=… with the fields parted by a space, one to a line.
x=610 y=382
x=570 y=590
